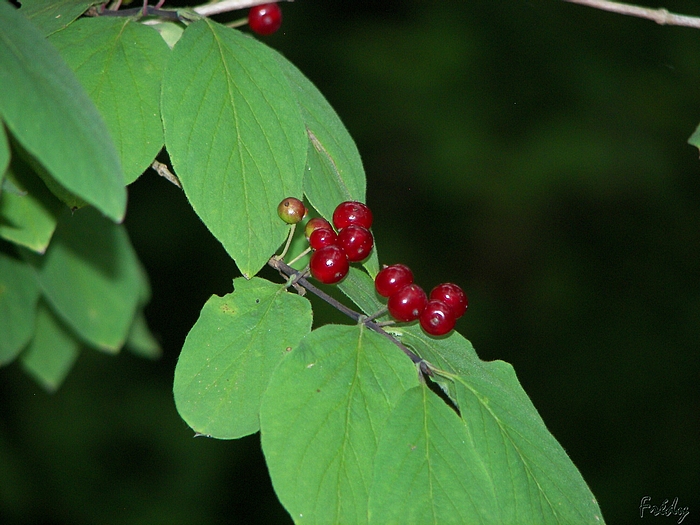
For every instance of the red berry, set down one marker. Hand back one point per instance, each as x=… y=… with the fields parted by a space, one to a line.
x=437 y=318
x=356 y=241
x=408 y=303
x=352 y=212
x=391 y=279
x=265 y=19
x=322 y=237
x=291 y=210
x=315 y=223
x=329 y=264
x=453 y=296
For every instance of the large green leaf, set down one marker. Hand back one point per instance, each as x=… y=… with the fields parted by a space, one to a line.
x=28 y=215
x=235 y=136
x=428 y=469
x=19 y=293
x=534 y=479
x=120 y=64
x=322 y=416
x=53 y=15
x=48 y=112
x=91 y=277
x=334 y=172
x=52 y=351
x=231 y=352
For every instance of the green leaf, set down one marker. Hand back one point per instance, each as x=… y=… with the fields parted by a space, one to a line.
x=231 y=352
x=359 y=287
x=28 y=216
x=52 y=352
x=322 y=416
x=42 y=99
x=334 y=169
x=53 y=15
x=235 y=136
x=694 y=139
x=91 y=277
x=19 y=293
x=534 y=479
x=140 y=341
x=428 y=470
x=120 y=64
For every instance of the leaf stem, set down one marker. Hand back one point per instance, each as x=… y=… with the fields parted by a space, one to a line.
x=660 y=16
x=298 y=278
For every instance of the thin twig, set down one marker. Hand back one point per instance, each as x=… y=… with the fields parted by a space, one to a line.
x=162 y=170
x=660 y=16
x=227 y=5
x=352 y=314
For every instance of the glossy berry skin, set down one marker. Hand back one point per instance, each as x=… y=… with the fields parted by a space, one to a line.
x=408 y=303
x=391 y=279
x=437 y=318
x=356 y=241
x=329 y=264
x=315 y=223
x=291 y=210
x=322 y=237
x=265 y=19
x=352 y=212
x=453 y=296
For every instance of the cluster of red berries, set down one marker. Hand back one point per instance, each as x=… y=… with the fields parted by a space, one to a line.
x=407 y=301
x=333 y=252
x=265 y=19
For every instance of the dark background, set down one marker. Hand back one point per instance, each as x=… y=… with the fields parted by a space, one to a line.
x=532 y=151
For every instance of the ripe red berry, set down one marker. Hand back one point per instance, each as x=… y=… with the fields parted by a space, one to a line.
x=322 y=237
x=291 y=210
x=356 y=241
x=352 y=212
x=408 y=303
x=265 y=19
x=437 y=318
x=453 y=296
x=391 y=279
x=329 y=264
x=315 y=223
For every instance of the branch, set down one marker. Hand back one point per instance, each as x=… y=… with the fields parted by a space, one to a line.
x=227 y=5
x=660 y=16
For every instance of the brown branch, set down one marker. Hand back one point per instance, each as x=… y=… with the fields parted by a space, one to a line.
x=660 y=16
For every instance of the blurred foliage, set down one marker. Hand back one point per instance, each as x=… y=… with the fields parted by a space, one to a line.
x=535 y=153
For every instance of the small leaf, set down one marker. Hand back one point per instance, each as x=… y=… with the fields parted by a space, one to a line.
x=334 y=170
x=140 y=341
x=53 y=15
x=230 y=353
x=427 y=469
x=19 y=293
x=28 y=215
x=4 y=152
x=42 y=98
x=235 y=136
x=52 y=352
x=91 y=277
x=694 y=139
x=321 y=418
x=120 y=64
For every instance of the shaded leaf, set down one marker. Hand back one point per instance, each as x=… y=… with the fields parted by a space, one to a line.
x=427 y=468
x=321 y=418
x=91 y=277
x=19 y=293
x=230 y=353
x=53 y=15
x=52 y=351
x=140 y=340
x=694 y=139
x=120 y=64
x=4 y=152
x=235 y=137
x=28 y=215
x=359 y=287
x=42 y=98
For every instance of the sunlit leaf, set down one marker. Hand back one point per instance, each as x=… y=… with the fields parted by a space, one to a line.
x=235 y=136
x=321 y=418
x=19 y=293
x=230 y=353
